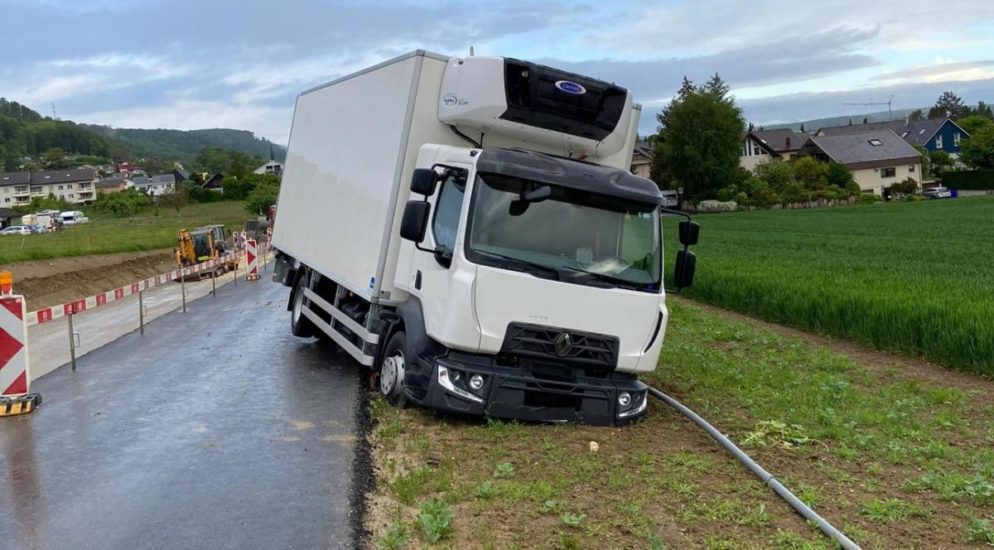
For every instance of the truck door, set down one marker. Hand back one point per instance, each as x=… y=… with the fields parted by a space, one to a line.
x=433 y=272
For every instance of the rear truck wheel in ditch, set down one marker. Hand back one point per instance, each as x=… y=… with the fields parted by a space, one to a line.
x=299 y=325
x=392 y=370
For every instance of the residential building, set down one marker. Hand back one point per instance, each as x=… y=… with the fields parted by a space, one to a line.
x=156 y=185
x=876 y=159
x=755 y=151
x=113 y=184
x=933 y=134
x=6 y=217
x=214 y=183
x=271 y=167
x=73 y=185
x=642 y=158
x=782 y=140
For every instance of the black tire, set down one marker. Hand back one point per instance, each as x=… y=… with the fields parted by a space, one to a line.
x=392 y=370
x=299 y=325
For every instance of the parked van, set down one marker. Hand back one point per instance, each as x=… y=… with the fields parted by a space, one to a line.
x=73 y=217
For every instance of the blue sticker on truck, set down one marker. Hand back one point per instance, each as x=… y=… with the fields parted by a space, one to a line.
x=372 y=282
x=570 y=87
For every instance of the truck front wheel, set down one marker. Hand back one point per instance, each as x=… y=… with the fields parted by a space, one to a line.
x=392 y=370
x=299 y=325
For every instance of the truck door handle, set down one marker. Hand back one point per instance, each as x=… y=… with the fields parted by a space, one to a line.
x=417 y=280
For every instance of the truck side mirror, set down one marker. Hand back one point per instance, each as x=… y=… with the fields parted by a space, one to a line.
x=690 y=232
x=683 y=275
x=423 y=181
x=414 y=224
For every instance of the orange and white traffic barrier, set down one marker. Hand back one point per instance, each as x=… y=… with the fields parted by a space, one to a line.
x=251 y=260
x=73 y=307
x=15 y=379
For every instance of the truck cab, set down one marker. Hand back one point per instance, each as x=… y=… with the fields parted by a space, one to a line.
x=540 y=283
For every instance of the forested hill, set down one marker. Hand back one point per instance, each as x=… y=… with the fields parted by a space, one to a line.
x=185 y=144
x=26 y=133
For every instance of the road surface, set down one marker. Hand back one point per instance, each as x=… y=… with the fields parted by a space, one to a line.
x=217 y=429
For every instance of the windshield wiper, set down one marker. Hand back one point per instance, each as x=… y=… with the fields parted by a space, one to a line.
x=524 y=265
x=617 y=281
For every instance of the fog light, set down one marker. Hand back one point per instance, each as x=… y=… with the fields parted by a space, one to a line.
x=455 y=375
x=476 y=382
x=624 y=399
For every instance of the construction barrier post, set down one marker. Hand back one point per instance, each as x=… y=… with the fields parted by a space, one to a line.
x=237 y=259
x=72 y=338
x=251 y=259
x=15 y=377
x=182 y=286
x=214 y=284
x=141 y=311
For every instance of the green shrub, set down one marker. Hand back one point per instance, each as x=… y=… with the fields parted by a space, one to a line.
x=973 y=180
x=795 y=193
x=868 y=198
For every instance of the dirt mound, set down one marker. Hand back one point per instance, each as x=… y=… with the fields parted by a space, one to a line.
x=49 y=282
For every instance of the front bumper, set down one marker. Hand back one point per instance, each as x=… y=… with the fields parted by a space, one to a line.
x=532 y=391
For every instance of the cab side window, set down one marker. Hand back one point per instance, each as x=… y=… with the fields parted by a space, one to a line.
x=447 y=209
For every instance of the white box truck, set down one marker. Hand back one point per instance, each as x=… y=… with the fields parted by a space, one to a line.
x=470 y=230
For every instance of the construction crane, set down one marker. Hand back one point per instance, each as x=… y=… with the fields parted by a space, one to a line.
x=890 y=99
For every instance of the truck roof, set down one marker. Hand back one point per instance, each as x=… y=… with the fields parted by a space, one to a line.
x=572 y=173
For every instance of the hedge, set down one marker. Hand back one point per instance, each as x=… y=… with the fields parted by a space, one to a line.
x=975 y=180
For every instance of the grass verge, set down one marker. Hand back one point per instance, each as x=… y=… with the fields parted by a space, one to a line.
x=107 y=235
x=893 y=460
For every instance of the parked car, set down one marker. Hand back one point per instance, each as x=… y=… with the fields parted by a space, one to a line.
x=39 y=228
x=670 y=198
x=937 y=193
x=16 y=230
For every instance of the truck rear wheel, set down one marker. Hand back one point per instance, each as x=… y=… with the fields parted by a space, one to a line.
x=392 y=370
x=299 y=325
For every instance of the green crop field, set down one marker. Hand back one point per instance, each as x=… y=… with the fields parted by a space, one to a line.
x=105 y=235
x=911 y=277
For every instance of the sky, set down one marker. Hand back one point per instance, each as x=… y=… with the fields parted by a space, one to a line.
x=190 y=64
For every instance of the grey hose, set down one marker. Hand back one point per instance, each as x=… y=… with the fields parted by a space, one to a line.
x=767 y=478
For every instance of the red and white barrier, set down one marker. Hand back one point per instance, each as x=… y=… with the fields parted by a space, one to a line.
x=251 y=257
x=47 y=314
x=14 y=379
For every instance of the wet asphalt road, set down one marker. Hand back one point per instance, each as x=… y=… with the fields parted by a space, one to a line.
x=217 y=429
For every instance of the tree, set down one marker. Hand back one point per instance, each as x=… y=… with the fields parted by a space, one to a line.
x=866 y=120
x=177 y=198
x=54 y=158
x=841 y=177
x=916 y=115
x=261 y=198
x=224 y=161
x=776 y=173
x=948 y=104
x=973 y=123
x=802 y=128
x=984 y=110
x=977 y=151
x=701 y=133
x=239 y=188
x=940 y=162
x=811 y=173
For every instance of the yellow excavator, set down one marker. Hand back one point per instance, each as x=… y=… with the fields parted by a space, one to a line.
x=202 y=244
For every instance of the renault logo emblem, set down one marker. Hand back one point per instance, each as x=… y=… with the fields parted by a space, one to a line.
x=564 y=343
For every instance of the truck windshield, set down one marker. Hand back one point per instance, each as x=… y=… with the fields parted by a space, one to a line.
x=565 y=234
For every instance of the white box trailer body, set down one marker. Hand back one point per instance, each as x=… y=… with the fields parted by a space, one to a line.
x=346 y=196
x=347 y=169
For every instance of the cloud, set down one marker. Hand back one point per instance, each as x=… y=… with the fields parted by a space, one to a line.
x=191 y=64
x=774 y=62
x=964 y=70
